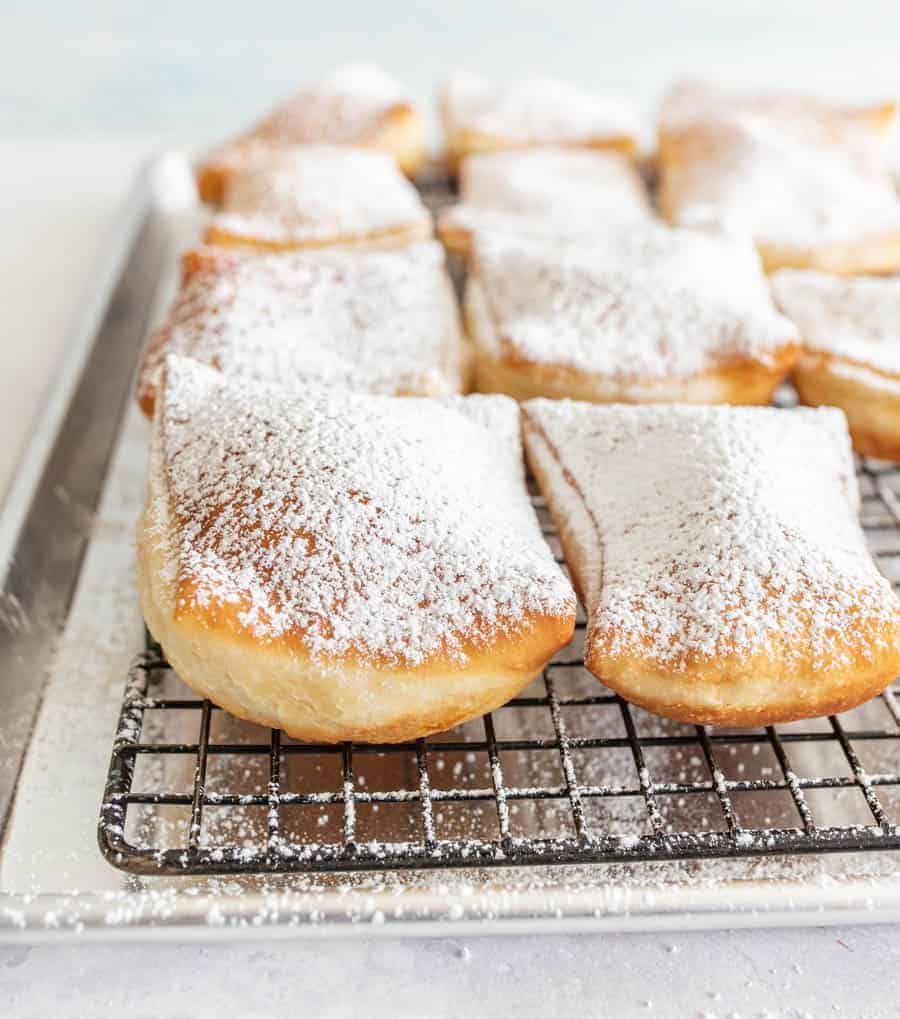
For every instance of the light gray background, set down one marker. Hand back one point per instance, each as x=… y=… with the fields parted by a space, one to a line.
x=186 y=68
x=87 y=89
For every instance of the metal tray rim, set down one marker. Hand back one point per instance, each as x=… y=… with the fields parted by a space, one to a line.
x=428 y=913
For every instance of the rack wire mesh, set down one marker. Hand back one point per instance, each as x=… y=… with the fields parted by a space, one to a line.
x=568 y=772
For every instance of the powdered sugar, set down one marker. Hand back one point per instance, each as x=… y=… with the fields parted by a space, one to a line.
x=393 y=530
x=534 y=110
x=377 y=321
x=344 y=107
x=789 y=171
x=814 y=118
x=548 y=191
x=721 y=530
x=642 y=301
x=856 y=318
x=320 y=193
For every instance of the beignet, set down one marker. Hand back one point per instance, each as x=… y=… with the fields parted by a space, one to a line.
x=850 y=330
x=480 y=115
x=808 y=180
x=344 y=566
x=381 y=322
x=544 y=192
x=638 y=314
x=719 y=557
x=318 y=196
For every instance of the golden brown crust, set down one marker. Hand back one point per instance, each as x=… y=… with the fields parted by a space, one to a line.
x=280 y=687
x=869 y=398
x=211 y=179
x=734 y=690
x=455 y=238
x=760 y=690
x=737 y=382
x=877 y=256
x=381 y=240
x=463 y=142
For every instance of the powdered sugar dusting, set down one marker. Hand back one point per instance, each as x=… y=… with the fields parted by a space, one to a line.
x=535 y=110
x=788 y=170
x=856 y=318
x=390 y=529
x=723 y=530
x=548 y=191
x=378 y=321
x=319 y=193
x=344 y=107
x=815 y=118
x=634 y=302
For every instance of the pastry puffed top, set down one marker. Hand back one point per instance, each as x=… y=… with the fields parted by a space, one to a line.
x=722 y=530
x=374 y=528
x=642 y=301
x=378 y=321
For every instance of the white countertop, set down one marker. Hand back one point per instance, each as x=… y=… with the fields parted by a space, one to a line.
x=731 y=975
x=135 y=69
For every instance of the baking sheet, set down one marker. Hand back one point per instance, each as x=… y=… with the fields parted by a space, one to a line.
x=55 y=883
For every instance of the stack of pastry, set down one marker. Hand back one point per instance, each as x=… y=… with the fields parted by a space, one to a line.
x=338 y=543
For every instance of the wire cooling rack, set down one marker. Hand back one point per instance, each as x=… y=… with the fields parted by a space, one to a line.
x=566 y=773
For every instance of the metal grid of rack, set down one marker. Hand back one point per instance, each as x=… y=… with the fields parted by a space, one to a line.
x=566 y=773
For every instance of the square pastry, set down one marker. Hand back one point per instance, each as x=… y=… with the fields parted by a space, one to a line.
x=719 y=557
x=345 y=566
x=639 y=314
x=544 y=192
x=357 y=104
x=806 y=179
x=383 y=322
x=318 y=196
x=480 y=115
x=850 y=329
